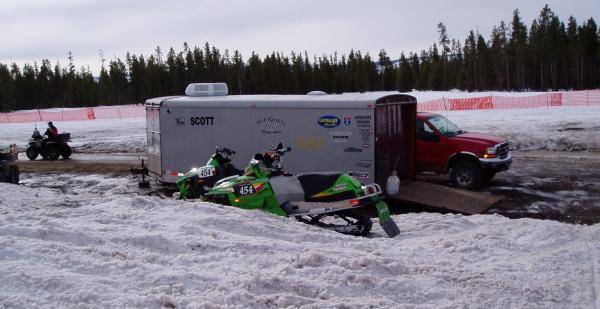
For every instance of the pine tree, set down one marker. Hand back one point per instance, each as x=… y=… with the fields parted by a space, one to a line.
x=404 y=80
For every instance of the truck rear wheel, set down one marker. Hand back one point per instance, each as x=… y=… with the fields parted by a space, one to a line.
x=466 y=175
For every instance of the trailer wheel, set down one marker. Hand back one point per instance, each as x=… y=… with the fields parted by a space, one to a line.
x=31 y=153
x=14 y=175
x=466 y=175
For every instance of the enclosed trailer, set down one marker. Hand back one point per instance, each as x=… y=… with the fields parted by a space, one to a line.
x=364 y=134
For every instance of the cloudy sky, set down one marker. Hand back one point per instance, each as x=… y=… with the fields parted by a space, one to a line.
x=31 y=30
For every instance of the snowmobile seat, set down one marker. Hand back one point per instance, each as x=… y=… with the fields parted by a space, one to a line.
x=287 y=189
x=317 y=182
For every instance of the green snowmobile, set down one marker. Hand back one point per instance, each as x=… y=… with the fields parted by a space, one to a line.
x=198 y=181
x=334 y=201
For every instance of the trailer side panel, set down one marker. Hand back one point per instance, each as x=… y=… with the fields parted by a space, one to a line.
x=321 y=139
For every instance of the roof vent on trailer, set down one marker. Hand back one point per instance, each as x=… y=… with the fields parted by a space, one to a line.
x=317 y=92
x=206 y=89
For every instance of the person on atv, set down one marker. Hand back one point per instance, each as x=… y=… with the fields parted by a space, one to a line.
x=52 y=131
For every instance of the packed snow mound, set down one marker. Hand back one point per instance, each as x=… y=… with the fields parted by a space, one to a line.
x=150 y=252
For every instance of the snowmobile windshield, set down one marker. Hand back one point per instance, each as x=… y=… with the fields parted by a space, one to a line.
x=445 y=126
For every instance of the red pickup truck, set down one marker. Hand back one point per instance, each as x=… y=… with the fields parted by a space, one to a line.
x=470 y=158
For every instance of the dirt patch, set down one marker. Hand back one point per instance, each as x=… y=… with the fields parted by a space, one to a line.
x=563 y=186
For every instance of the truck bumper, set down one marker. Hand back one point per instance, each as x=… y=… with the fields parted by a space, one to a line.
x=496 y=164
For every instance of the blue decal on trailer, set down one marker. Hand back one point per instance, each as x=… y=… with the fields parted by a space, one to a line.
x=329 y=121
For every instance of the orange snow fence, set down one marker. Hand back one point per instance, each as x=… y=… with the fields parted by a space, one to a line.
x=552 y=99
x=72 y=114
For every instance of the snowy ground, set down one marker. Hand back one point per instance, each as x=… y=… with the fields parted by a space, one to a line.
x=94 y=136
x=73 y=240
x=103 y=245
x=561 y=129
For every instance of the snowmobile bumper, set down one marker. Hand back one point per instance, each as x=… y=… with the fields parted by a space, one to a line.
x=385 y=220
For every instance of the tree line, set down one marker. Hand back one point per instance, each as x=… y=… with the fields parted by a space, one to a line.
x=548 y=55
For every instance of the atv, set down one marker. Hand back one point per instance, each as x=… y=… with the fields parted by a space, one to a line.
x=49 y=148
x=198 y=181
x=335 y=201
x=9 y=171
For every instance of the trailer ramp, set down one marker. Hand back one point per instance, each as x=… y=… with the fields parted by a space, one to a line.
x=443 y=198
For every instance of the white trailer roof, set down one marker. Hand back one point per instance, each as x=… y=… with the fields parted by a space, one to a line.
x=345 y=100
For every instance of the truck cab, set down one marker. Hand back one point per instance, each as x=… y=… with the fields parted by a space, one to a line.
x=471 y=159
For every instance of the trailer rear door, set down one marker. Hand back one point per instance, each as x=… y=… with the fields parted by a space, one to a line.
x=153 y=140
x=395 y=143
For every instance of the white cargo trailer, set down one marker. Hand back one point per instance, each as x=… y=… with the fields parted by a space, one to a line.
x=364 y=134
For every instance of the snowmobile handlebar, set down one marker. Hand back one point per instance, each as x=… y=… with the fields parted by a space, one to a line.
x=283 y=151
x=280 y=150
x=225 y=151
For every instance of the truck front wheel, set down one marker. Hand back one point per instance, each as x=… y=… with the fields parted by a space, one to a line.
x=466 y=175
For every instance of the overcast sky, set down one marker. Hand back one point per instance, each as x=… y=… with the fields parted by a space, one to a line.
x=32 y=30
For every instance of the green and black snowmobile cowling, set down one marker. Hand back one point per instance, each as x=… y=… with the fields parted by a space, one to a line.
x=199 y=180
x=316 y=198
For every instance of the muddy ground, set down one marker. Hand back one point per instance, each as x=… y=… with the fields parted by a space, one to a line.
x=563 y=186
x=557 y=185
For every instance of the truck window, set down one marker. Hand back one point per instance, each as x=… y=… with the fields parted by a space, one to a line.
x=424 y=131
x=444 y=126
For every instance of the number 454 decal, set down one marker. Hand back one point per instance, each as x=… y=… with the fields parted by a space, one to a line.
x=244 y=188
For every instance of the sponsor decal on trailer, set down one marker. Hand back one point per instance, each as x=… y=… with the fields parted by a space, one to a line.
x=180 y=121
x=310 y=143
x=353 y=149
x=340 y=137
x=364 y=164
x=270 y=125
x=329 y=121
x=347 y=120
x=202 y=120
x=361 y=175
x=363 y=121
